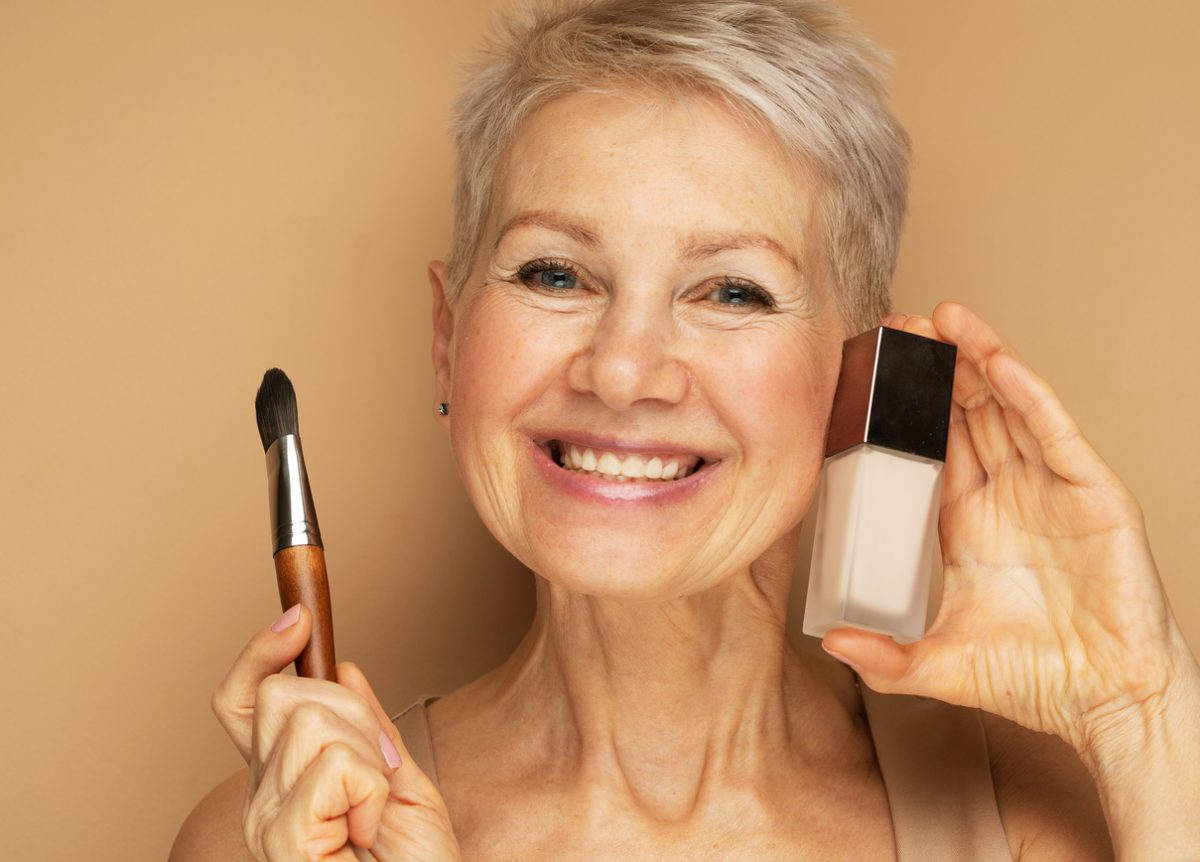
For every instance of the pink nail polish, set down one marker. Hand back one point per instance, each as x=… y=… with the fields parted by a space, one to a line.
x=390 y=754
x=290 y=617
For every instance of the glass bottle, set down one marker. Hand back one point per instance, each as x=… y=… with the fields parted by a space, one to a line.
x=880 y=489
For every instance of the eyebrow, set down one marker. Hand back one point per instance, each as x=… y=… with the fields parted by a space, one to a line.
x=552 y=221
x=697 y=246
x=700 y=246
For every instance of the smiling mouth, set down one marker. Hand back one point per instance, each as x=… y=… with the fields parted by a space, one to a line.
x=618 y=467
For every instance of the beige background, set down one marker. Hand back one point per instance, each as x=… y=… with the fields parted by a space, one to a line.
x=190 y=193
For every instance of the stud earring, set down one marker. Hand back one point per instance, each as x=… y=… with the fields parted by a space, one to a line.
x=443 y=409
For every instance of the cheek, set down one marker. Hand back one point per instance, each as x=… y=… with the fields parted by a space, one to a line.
x=504 y=358
x=782 y=400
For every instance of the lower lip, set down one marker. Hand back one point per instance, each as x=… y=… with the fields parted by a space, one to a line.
x=587 y=487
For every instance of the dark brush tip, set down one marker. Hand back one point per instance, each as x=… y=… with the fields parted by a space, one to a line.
x=275 y=408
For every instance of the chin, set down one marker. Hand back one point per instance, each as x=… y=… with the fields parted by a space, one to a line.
x=618 y=571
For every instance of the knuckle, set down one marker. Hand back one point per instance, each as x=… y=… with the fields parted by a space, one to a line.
x=339 y=757
x=270 y=689
x=382 y=787
x=364 y=715
x=309 y=717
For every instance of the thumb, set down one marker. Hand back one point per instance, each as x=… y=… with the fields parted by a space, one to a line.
x=883 y=664
x=269 y=652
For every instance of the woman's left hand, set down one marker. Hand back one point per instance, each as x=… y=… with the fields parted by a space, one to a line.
x=1052 y=614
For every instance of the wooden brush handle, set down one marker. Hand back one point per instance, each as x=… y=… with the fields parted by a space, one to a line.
x=300 y=571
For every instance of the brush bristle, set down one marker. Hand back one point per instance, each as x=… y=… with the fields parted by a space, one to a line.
x=275 y=408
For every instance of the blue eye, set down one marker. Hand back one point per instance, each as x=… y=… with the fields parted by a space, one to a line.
x=559 y=279
x=554 y=275
x=735 y=294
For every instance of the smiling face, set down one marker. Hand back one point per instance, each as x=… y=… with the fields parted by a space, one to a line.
x=650 y=298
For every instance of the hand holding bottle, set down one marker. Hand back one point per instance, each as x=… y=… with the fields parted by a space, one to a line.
x=1053 y=614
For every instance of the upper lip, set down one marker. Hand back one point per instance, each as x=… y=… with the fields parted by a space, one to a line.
x=625 y=445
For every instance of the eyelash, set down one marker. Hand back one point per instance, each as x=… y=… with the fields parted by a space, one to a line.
x=528 y=270
x=542 y=264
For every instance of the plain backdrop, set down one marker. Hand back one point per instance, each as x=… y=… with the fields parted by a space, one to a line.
x=192 y=193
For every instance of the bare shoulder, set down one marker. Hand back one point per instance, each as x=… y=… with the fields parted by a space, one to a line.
x=1047 y=799
x=213 y=831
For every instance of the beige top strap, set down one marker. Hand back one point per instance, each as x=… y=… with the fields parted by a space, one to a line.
x=934 y=762
x=414 y=730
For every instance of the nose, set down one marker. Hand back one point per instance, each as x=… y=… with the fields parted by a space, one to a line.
x=631 y=358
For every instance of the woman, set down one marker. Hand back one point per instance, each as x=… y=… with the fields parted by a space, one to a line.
x=670 y=214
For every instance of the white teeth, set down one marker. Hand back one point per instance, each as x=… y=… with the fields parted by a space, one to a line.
x=610 y=466
x=633 y=467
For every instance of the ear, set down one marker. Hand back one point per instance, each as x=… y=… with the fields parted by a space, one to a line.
x=443 y=331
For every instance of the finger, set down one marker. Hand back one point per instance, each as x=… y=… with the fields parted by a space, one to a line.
x=988 y=430
x=1061 y=445
x=996 y=445
x=279 y=696
x=354 y=679
x=272 y=649
x=357 y=682
x=963 y=473
x=1022 y=437
x=311 y=729
x=408 y=782
x=917 y=325
x=339 y=798
x=977 y=341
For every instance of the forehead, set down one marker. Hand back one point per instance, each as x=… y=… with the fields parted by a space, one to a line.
x=644 y=163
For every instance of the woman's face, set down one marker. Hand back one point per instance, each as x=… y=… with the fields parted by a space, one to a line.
x=650 y=298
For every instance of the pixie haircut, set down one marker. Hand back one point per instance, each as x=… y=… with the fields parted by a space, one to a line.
x=796 y=68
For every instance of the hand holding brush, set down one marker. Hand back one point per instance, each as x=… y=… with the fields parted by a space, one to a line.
x=329 y=775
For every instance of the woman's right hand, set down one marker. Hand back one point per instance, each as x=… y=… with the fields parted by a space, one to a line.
x=328 y=770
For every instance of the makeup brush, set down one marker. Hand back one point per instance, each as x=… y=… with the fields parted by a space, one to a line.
x=299 y=554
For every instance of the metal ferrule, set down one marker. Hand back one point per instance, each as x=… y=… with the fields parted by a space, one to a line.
x=293 y=516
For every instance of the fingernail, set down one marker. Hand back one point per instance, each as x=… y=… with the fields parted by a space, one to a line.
x=390 y=754
x=290 y=617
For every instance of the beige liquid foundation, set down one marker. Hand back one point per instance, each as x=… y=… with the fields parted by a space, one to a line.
x=881 y=485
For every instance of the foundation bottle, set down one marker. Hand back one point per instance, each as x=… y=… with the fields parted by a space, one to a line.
x=880 y=486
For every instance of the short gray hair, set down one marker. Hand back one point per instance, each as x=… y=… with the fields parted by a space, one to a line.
x=794 y=67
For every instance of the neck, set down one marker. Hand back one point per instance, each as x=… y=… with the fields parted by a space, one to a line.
x=667 y=704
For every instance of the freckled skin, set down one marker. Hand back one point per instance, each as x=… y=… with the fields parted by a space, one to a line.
x=655 y=704
x=636 y=352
